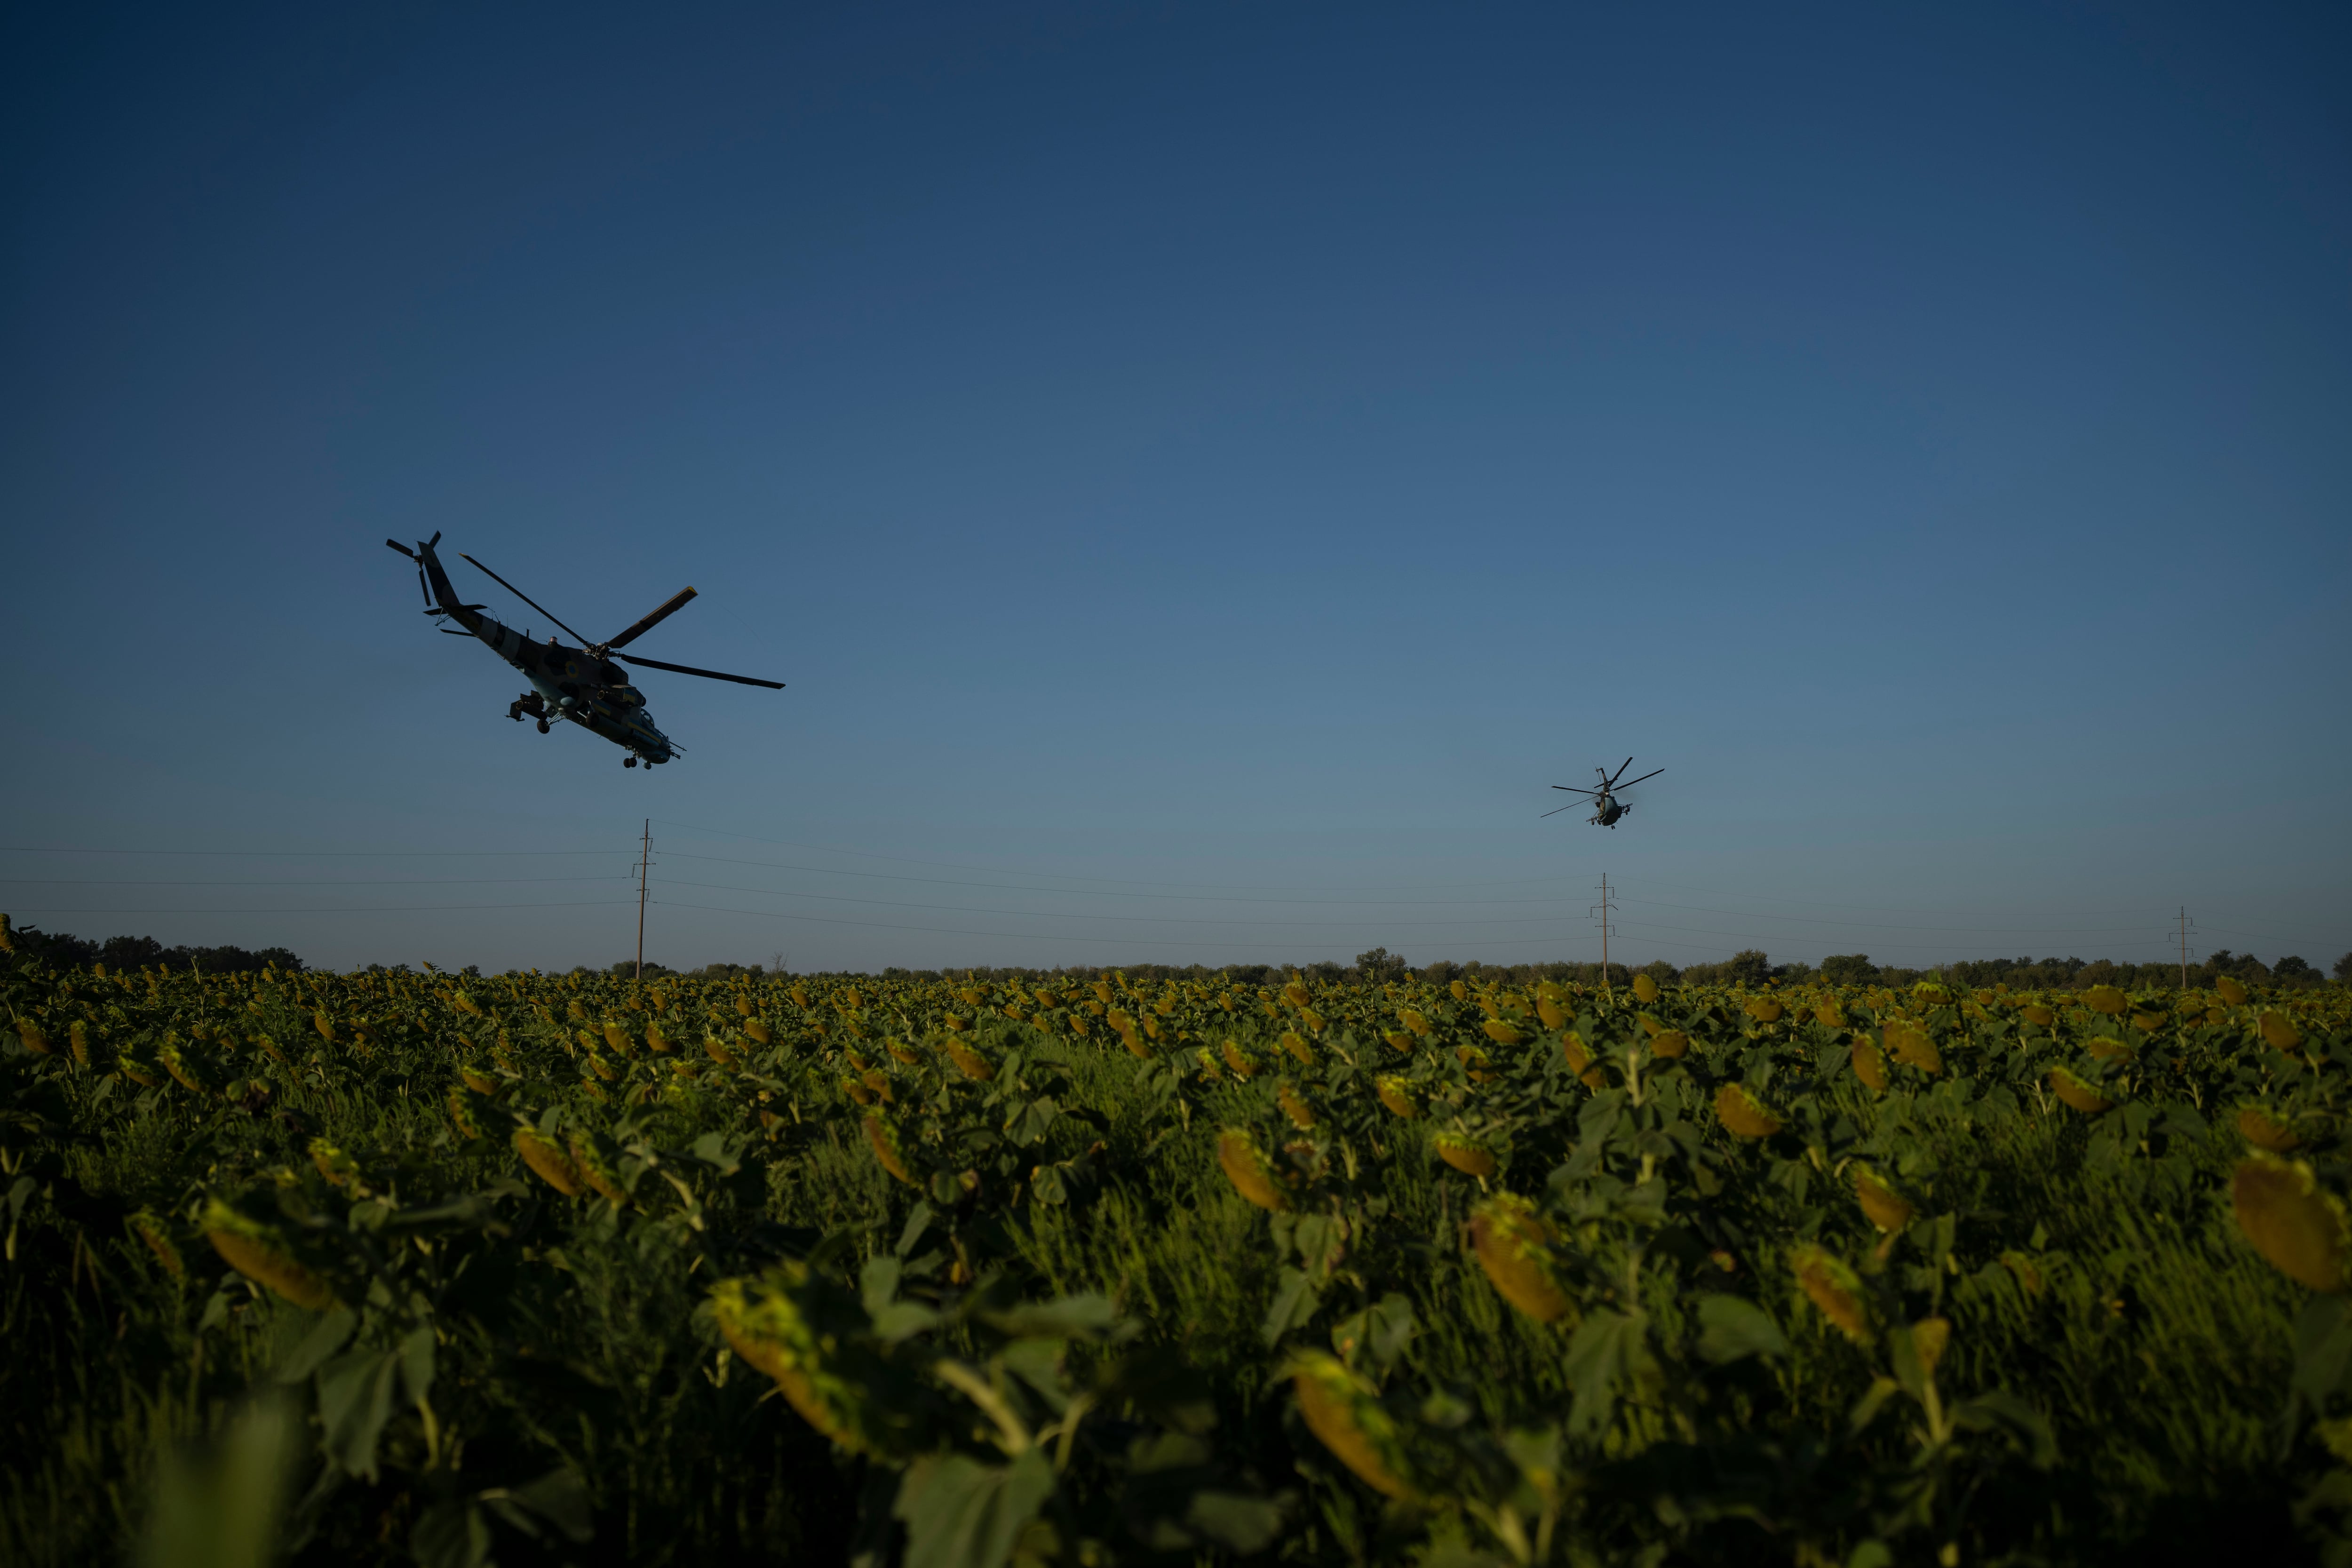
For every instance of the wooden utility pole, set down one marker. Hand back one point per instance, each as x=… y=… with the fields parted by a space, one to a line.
x=2184 y=947
x=644 y=859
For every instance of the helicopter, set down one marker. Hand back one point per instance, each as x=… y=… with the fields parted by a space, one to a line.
x=1607 y=807
x=581 y=684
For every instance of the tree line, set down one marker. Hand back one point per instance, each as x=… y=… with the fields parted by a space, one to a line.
x=1751 y=968
x=63 y=949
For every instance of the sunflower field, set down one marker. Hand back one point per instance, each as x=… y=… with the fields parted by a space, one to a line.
x=396 y=1267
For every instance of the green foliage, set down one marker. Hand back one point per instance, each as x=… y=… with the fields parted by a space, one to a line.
x=955 y=1272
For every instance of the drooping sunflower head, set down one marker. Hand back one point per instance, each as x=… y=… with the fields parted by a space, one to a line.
x=261 y=1253
x=547 y=1162
x=1465 y=1154
x=1834 y=1288
x=2279 y=1030
x=1514 y=1247
x=766 y=1322
x=2257 y=1126
x=1347 y=1418
x=2078 y=1093
x=1887 y=1208
x=1246 y=1167
x=1743 y=1114
x=2300 y=1228
x=889 y=1147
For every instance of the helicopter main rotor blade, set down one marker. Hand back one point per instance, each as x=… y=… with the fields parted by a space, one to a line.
x=707 y=674
x=1569 y=807
x=676 y=603
x=1619 y=773
x=397 y=545
x=1572 y=790
x=1653 y=773
x=519 y=593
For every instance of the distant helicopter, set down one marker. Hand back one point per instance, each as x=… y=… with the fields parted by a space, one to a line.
x=1607 y=807
x=581 y=684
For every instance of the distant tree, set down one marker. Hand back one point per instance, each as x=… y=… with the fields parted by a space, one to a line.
x=1662 y=973
x=63 y=949
x=2235 y=965
x=2343 y=969
x=130 y=951
x=2294 y=971
x=59 y=950
x=1379 y=967
x=1747 y=967
x=2243 y=966
x=1325 y=971
x=1445 y=969
x=2101 y=972
x=1849 y=968
x=233 y=959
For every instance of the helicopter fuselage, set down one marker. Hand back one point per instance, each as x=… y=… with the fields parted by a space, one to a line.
x=571 y=683
x=1607 y=809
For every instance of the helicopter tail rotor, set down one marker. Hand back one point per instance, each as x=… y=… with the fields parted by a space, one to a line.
x=423 y=587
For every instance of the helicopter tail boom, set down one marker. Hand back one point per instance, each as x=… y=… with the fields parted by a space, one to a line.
x=445 y=597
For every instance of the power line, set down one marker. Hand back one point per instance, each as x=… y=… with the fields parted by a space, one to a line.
x=2225 y=930
x=348 y=882
x=1874 y=925
x=1021 y=936
x=1072 y=877
x=1830 y=904
x=1752 y=936
x=345 y=909
x=1096 y=893
x=1431 y=887
x=1344 y=904
x=1083 y=915
x=305 y=854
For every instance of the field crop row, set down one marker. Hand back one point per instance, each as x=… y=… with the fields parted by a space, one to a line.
x=588 y=1269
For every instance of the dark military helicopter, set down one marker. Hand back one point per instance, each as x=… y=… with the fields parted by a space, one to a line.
x=1607 y=807
x=582 y=684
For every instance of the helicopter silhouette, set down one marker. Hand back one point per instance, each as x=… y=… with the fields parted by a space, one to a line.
x=581 y=684
x=1607 y=807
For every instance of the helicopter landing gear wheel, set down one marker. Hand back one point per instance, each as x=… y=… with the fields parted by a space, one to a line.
x=628 y=761
x=542 y=726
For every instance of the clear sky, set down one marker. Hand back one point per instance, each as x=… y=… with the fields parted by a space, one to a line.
x=1202 y=469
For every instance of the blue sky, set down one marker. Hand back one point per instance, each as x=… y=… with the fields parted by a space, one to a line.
x=1203 y=471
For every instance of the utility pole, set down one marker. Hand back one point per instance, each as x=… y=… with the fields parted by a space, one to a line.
x=644 y=859
x=2184 y=947
x=1604 y=906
